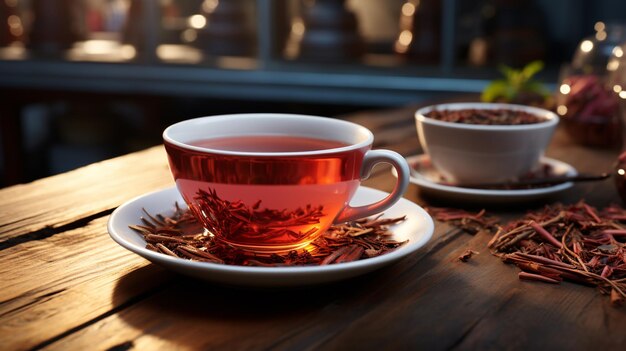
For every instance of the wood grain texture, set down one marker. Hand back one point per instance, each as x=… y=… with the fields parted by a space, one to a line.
x=51 y=286
x=394 y=130
x=429 y=301
x=68 y=197
x=191 y=314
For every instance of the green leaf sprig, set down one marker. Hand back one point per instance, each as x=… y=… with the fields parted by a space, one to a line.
x=514 y=83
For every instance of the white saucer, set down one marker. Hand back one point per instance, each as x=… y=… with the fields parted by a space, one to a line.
x=417 y=228
x=428 y=179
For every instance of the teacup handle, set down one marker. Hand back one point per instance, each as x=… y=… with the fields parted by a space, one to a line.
x=370 y=159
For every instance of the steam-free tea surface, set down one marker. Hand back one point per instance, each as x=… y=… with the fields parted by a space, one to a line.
x=268 y=143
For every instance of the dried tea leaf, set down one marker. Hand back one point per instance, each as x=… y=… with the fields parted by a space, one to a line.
x=178 y=235
x=466 y=255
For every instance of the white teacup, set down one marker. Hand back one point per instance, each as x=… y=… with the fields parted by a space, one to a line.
x=471 y=153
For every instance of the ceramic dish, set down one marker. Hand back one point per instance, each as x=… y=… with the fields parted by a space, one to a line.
x=417 y=228
x=477 y=153
x=428 y=179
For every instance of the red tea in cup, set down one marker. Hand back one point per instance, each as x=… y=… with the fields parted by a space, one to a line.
x=271 y=182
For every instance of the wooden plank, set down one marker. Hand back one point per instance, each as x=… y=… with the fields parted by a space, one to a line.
x=482 y=305
x=505 y=307
x=51 y=286
x=56 y=201
x=193 y=315
x=394 y=130
x=428 y=301
x=402 y=135
x=380 y=120
x=77 y=288
x=63 y=282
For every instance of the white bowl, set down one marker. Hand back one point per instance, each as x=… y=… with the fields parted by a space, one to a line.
x=471 y=153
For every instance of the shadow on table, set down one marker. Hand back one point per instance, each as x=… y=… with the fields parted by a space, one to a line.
x=188 y=311
x=427 y=301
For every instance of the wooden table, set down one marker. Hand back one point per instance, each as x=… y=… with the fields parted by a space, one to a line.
x=67 y=286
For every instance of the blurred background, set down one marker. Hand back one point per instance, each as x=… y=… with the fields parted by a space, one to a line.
x=86 y=80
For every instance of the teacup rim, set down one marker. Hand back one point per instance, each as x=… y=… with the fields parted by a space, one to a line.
x=367 y=142
x=551 y=118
